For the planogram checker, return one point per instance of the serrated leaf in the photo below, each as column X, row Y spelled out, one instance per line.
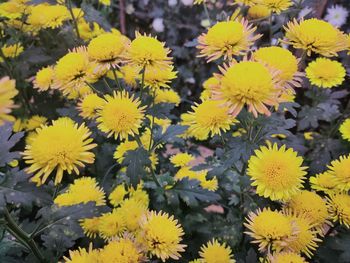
column 169, row 135
column 7, row 141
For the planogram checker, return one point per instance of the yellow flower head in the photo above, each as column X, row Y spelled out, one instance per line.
column 90, row 226
column 47, row 16
column 286, row 257
column 139, row 195
column 248, row 83
column 246, row 2
column 44, row 78
column 123, row 148
column 89, row 30
column 14, row 9
column 106, row 49
column 325, row 182
column 117, row 195
column 132, row 210
column 130, row 74
column 345, row 129
column 123, row 250
column 311, row 205
column 276, row 6
column 7, row 93
column 214, row 252
column 227, row 39
column 339, row 208
column 181, row 159
column 314, row 35
column 89, row 105
column 121, row 115
column 146, row 50
column 82, row 256
column 325, row 73
column 69, row 149
column 83, row 190
column 167, row 96
column 159, row 76
column 161, row 234
column 111, row 225
column 11, row 51
column 270, row 229
column 340, row 169
column 209, row 85
column 277, row 173
column 283, row 61
column 35, row 122
column 209, row 118
column 258, row 11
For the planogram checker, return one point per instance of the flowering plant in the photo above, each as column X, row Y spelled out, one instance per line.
column 219, row 135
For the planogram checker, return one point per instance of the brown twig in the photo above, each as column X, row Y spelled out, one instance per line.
column 320, row 7
column 122, row 16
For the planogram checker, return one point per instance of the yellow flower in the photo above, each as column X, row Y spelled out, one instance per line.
column 11, row 51
column 69, row 149
column 161, row 234
column 89, row 30
column 83, row 190
column 181, row 159
column 325, row 73
column 214, row 252
column 111, row 225
column 227, row 39
column 248, row 83
column 209, row 85
column 35, row 122
column 283, row 61
column 146, row 50
column 123, row 148
column 19, row 125
column 47, row 16
column 167, row 96
column 121, row 115
column 211, row 184
column 276, row 6
column 139, row 195
column 309, row 136
column 311, row 205
column 132, row 210
column 209, row 118
column 345, row 129
column 14, row 9
column 90, row 226
column 7, row 93
column 130, row 74
column 89, row 105
column 44, row 78
column 246, row 2
column 277, row 173
column 324, row 182
column 286, row 257
column 314, row 35
column 117, row 195
column 123, row 250
column 340, row 169
column 258, row 11
column 339, row 208
column 157, row 77
column 106, row 49
column 271, row 230
column 82, row 256
column 105, row 2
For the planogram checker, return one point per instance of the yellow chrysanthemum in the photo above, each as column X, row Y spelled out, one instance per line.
column 82, row 256
column 167, row 96
column 314, row 35
column 209, row 118
column 283, row 61
column 132, row 210
column 47, row 16
column 90, row 226
column 306, row 237
column 146, row 50
column 181, row 159
column 11, row 51
column 83, row 190
column 44, row 78
column 157, row 77
column 89, row 105
column 14, row 9
column 345, row 130
column 117, row 195
column 209, row 85
column 69, row 149
column 277, row 173
column 139, row 195
column 111, row 225
column 87, row 30
column 276, row 6
column 325, row 73
column 123, row 250
column 130, row 74
column 121, row 115
column 106, row 49
column 246, row 2
column 161, row 234
column 258, row 11
column 19, row 125
column 123, row 148
column 227, row 39
column 35, row 122
column 311, row 205
column 201, row 176
column 7, row 93
column 340, row 169
column 209, row 184
column 324, row 182
column 286, row 257
column 214, row 252
column 271, row 230
column 339, row 208
column 248, row 83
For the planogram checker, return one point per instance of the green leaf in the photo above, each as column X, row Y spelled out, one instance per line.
column 7, row 142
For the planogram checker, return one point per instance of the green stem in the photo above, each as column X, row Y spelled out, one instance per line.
column 152, row 121
column 6, row 63
column 22, row 236
column 207, row 12
column 93, row 88
column 270, row 28
column 116, row 79
column 154, row 177
column 107, row 85
column 75, row 23
column 142, row 81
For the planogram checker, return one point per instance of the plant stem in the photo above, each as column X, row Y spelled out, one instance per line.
column 75, row 23
column 206, row 12
column 93, row 88
column 152, row 121
column 154, row 177
column 116, row 79
column 107, row 85
column 270, row 28
column 142, row 81
column 22, row 236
